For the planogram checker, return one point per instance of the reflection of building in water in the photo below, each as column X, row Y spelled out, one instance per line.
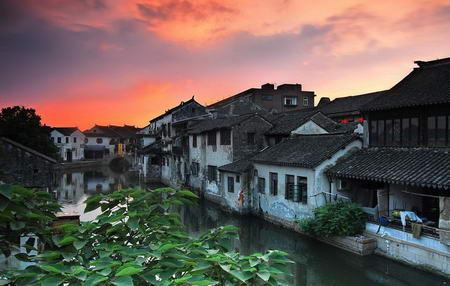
column 70, row 193
column 99, row 182
column 70, row 187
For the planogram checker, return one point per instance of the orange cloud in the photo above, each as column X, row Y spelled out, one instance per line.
column 97, row 103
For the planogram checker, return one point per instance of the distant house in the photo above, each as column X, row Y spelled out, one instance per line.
column 284, row 97
column 100, row 142
column 406, row 167
column 70, row 142
column 171, row 129
column 22, row 165
column 348, row 109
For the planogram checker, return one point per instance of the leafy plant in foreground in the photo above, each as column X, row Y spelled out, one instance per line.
column 338, row 219
column 24, row 211
column 138, row 240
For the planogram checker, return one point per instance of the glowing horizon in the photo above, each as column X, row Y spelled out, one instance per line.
column 80, row 63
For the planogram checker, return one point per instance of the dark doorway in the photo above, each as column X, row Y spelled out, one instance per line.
column 69, row 155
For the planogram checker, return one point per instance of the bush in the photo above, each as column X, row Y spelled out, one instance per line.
column 339, row 219
column 137, row 240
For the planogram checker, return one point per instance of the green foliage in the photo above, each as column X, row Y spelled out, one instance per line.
column 339, row 219
column 138, row 240
column 24, row 211
column 24, row 126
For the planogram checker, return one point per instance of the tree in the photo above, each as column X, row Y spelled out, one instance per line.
column 24, row 126
column 139, row 240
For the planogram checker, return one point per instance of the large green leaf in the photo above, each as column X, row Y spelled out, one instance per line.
column 128, row 271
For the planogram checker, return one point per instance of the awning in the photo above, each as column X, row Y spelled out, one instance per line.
column 419, row 167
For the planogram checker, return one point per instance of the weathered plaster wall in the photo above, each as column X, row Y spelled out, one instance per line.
column 278, row 206
column 232, row 199
column 322, row 183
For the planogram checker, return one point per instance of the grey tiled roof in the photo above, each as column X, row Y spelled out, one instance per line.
column 306, row 151
column 211, row 124
column 238, row 166
column 426, row 85
column 329, row 124
column 349, row 104
column 66, row 131
column 288, row 121
column 424, row 167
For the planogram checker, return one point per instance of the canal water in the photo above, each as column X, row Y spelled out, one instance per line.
column 316, row 263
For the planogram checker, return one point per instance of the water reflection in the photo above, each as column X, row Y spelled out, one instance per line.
column 315, row 263
column 75, row 186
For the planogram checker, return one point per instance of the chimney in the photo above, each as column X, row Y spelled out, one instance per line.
column 323, row 101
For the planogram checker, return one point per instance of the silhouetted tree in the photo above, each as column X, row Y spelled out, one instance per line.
column 23, row 125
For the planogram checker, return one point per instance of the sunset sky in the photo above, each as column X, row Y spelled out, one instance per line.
column 85, row 62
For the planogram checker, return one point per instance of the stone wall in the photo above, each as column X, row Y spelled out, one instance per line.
column 17, row 166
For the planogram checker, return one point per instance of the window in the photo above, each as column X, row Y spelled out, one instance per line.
column 194, row 140
column 67, row 140
column 381, row 132
column 289, row 187
column 273, row 183
column 396, row 132
column 238, row 179
column 86, row 140
column 53, row 139
column 389, row 132
column 305, row 101
column 99, row 140
column 414, row 135
column 302, row 190
column 374, row 132
column 440, row 130
column 195, row 168
column 261, row 185
column 225, row 137
column 290, row 101
column 212, row 138
column 230, row 184
column 59, row 139
column 405, row 132
column 251, row 138
column 431, row 131
column 212, row 173
column 169, row 130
